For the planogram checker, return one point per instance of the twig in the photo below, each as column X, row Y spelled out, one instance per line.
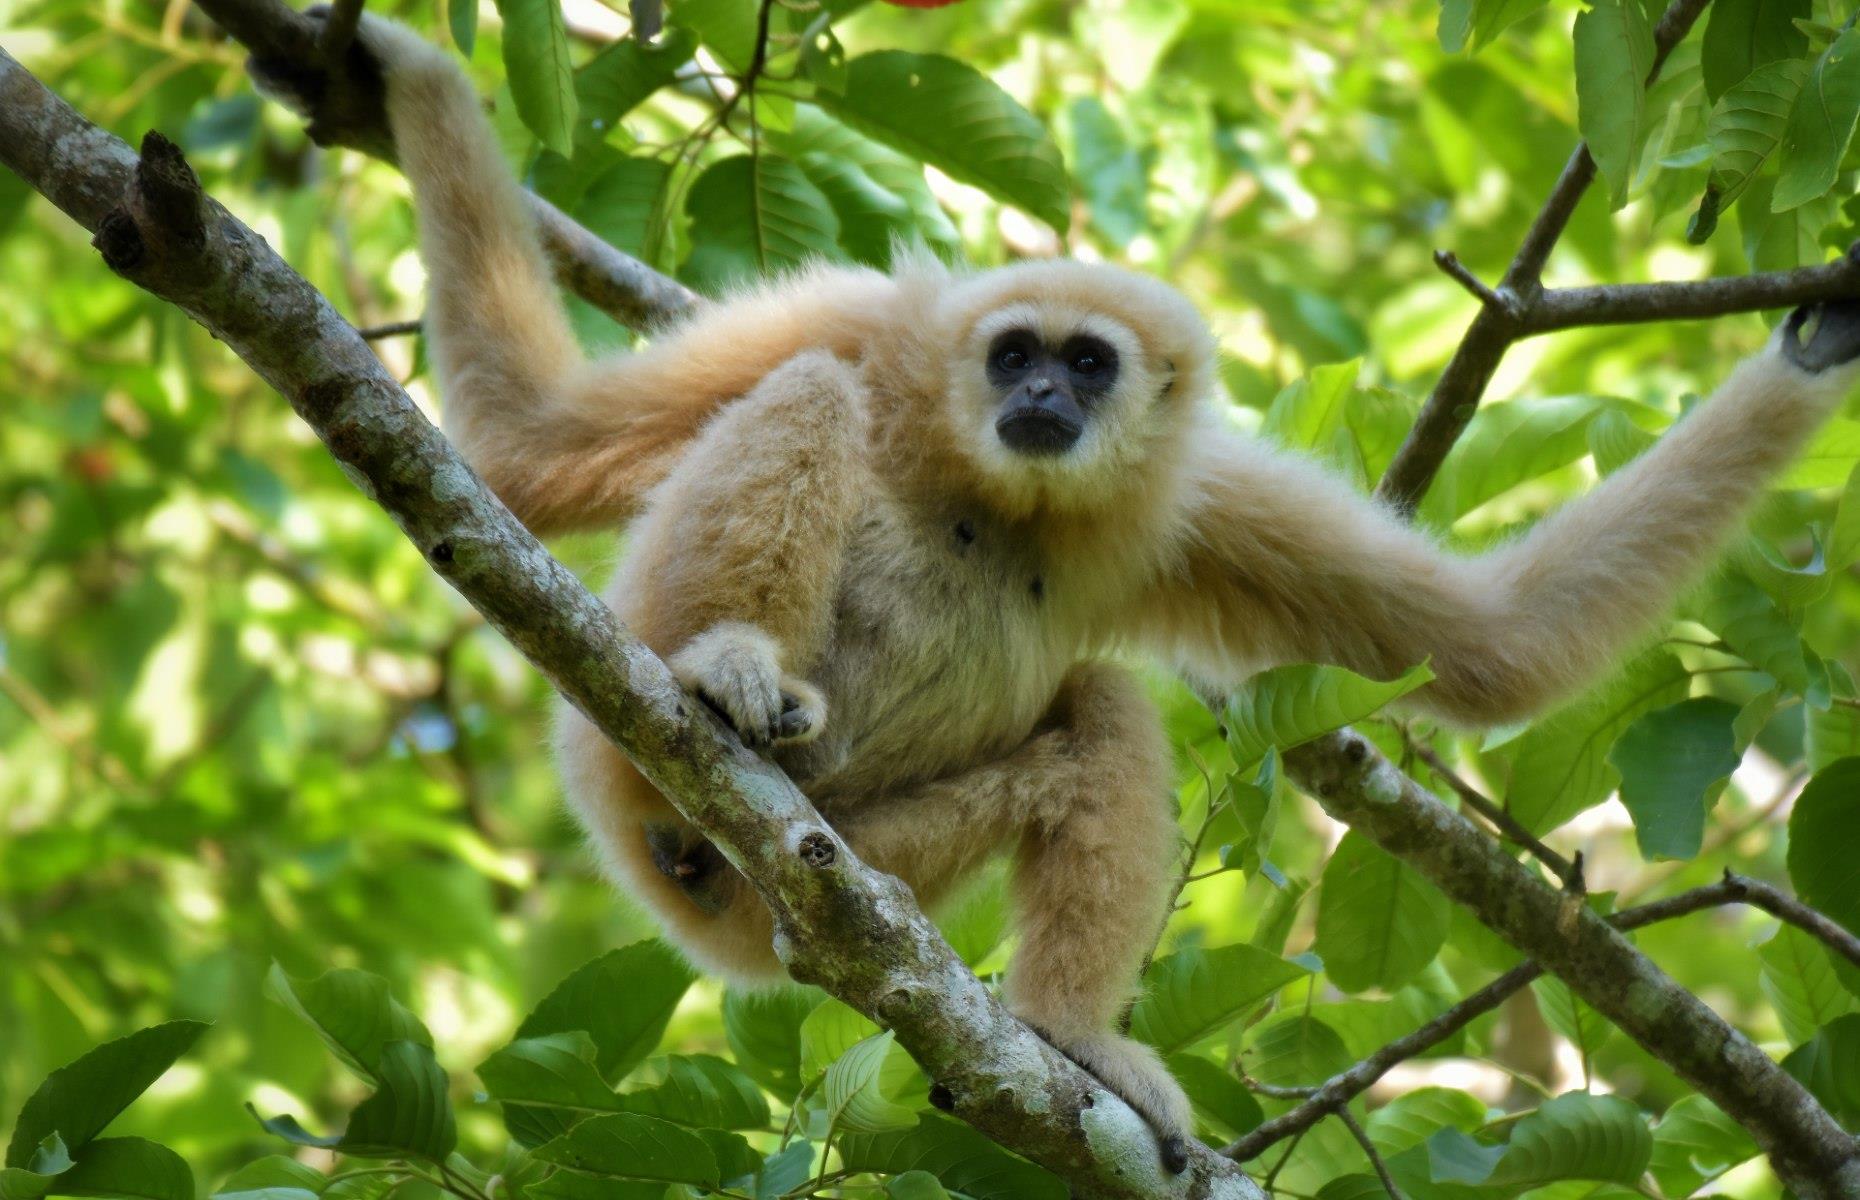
column 374, row 333
column 1375, row 1156
column 1461, row 274
column 1495, row 327
column 1569, row 872
column 1741, row 889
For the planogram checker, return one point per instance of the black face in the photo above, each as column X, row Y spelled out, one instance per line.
column 1047, row 392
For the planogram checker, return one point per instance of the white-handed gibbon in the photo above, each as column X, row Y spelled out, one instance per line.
column 887, row 524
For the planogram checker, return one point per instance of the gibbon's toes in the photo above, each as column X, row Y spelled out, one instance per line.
column 803, row 712
column 1136, row 1074
column 734, row 669
column 1819, row 336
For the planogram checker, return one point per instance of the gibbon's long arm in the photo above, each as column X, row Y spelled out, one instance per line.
column 564, row 442
column 1286, row 564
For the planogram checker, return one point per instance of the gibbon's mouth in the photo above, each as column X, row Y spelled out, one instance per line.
column 1029, row 429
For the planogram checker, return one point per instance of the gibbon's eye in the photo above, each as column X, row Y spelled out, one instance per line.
column 1090, row 358
column 1087, row 363
column 1011, row 358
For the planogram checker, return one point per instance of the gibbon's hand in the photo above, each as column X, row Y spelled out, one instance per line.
column 343, row 100
column 1833, row 335
column 736, row 670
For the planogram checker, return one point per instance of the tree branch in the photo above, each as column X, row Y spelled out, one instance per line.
column 1456, row 395
column 617, row 284
column 1355, row 784
column 842, row 925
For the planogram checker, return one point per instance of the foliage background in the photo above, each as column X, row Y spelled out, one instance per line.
column 243, row 723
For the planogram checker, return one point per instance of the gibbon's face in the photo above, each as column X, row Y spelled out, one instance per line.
column 1071, row 379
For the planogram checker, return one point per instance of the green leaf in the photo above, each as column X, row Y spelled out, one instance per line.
column 702, row 1091
column 410, row 1112
column 756, row 216
column 128, row 1168
column 1801, row 983
column 1218, row 1096
column 1577, row 1135
column 1833, row 734
column 1673, row 762
column 1379, row 922
column 1693, row 1144
column 546, row 1084
column 1828, row 1065
column 946, row 113
column 1308, row 412
column 39, row 1173
column 1292, row 1049
column 1614, row 440
column 542, row 77
column 1824, row 828
column 1820, row 125
column 79, row 1099
column 1194, row 993
column 273, row 1171
column 915, row 1185
column 1741, row 36
column 632, row 1146
column 725, row 26
column 785, row 1170
column 854, row 1101
column 651, row 978
column 763, row 1028
column 462, row 19
column 1288, row 706
column 1781, row 241
column 1614, row 55
column 1112, row 172
column 1829, row 459
column 1561, row 764
column 962, row 1159
column 879, row 195
column 625, row 205
column 1482, row 20
column 1413, row 1117
column 1509, row 444
column 1571, row 1016
column 1748, row 124
column 352, row 1011
column 830, row 1030
column 618, row 79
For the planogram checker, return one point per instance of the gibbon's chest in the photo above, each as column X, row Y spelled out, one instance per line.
column 948, row 643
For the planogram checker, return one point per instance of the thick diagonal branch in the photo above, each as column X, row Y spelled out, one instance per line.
column 621, row 286
column 1810, row 1152
column 852, row 930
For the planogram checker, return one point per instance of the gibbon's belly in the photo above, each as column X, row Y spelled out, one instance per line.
column 944, row 653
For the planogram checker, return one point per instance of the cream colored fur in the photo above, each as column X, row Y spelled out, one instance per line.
column 821, row 507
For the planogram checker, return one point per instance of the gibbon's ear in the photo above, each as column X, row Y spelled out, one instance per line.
column 1169, row 380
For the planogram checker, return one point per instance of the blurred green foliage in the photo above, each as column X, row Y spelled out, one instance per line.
column 242, row 725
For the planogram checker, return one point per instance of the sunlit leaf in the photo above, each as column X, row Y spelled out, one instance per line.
column 1194, row 993
column 652, row 978
column 756, row 216
column 1614, row 53
column 1800, row 981
column 851, row 1092
column 1379, row 922
column 1288, row 706
column 541, row 75
column 1743, row 35
column 352, row 1011
column 78, row 1100
column 1820, row 125
column 1695, row 1143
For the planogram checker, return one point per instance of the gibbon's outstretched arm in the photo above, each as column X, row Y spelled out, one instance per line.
column 1285, row 564
column 566, row 443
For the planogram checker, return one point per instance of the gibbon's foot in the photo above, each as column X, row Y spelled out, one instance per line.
column 736, row 669
column 1135, row 1073
column 1832, row 335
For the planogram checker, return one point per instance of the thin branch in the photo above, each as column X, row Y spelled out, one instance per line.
column 1375, row 1156
column 1461, row 274
column 1569, row 872
column 1636, row 303
column 1741, row 889
column 1456, row 395
column 374, row 333
column 617, row 284
column 852, row 930
column 1812, row 1154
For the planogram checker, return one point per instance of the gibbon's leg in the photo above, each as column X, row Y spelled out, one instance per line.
column 567, row 444
column 1086, row 804
column 1284, row 562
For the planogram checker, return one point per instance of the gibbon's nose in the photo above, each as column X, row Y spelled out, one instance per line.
column 1041, row 417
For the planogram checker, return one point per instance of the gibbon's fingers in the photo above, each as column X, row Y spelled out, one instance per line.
column 1833, row 332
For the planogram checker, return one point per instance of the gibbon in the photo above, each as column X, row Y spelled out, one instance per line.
column 888, row 524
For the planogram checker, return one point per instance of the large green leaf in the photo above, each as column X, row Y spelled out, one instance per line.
column 1509, row 444
column 946, row 113
column 1561, row 764
column 830, row 1030
column 1748, row 123
column 1577, row 1135
column 1820, row 125
column 542, row 77
column 77, row 1100
column 962, row 1159
column 622, row 1000
column 37, row 1175
column 128, row 1168
column 699, row 1090
column 1194, row 993
column 273, row 1171
column 619, row 78
column 1741, row 36
column 1614, row 54
column 1571, row 1016
column 1308, row 412
column 753, row 216
column 1413, row 1117
column 1673, row 762
column 1379, row 922
column 763, row 1028
column 1781, row 241
column 1828, row 1065
column 352, row 1011
column 855, row 1102
column 546, row 1084
column 1294, row 1049
column 632, row 1146
column 410, row 1112
column 1480, row 21
column 880, row 196
column 1288, row 706
column 1217, row 1095
column 1695, row 1143
column 1824, row 828
column 1801, row 983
